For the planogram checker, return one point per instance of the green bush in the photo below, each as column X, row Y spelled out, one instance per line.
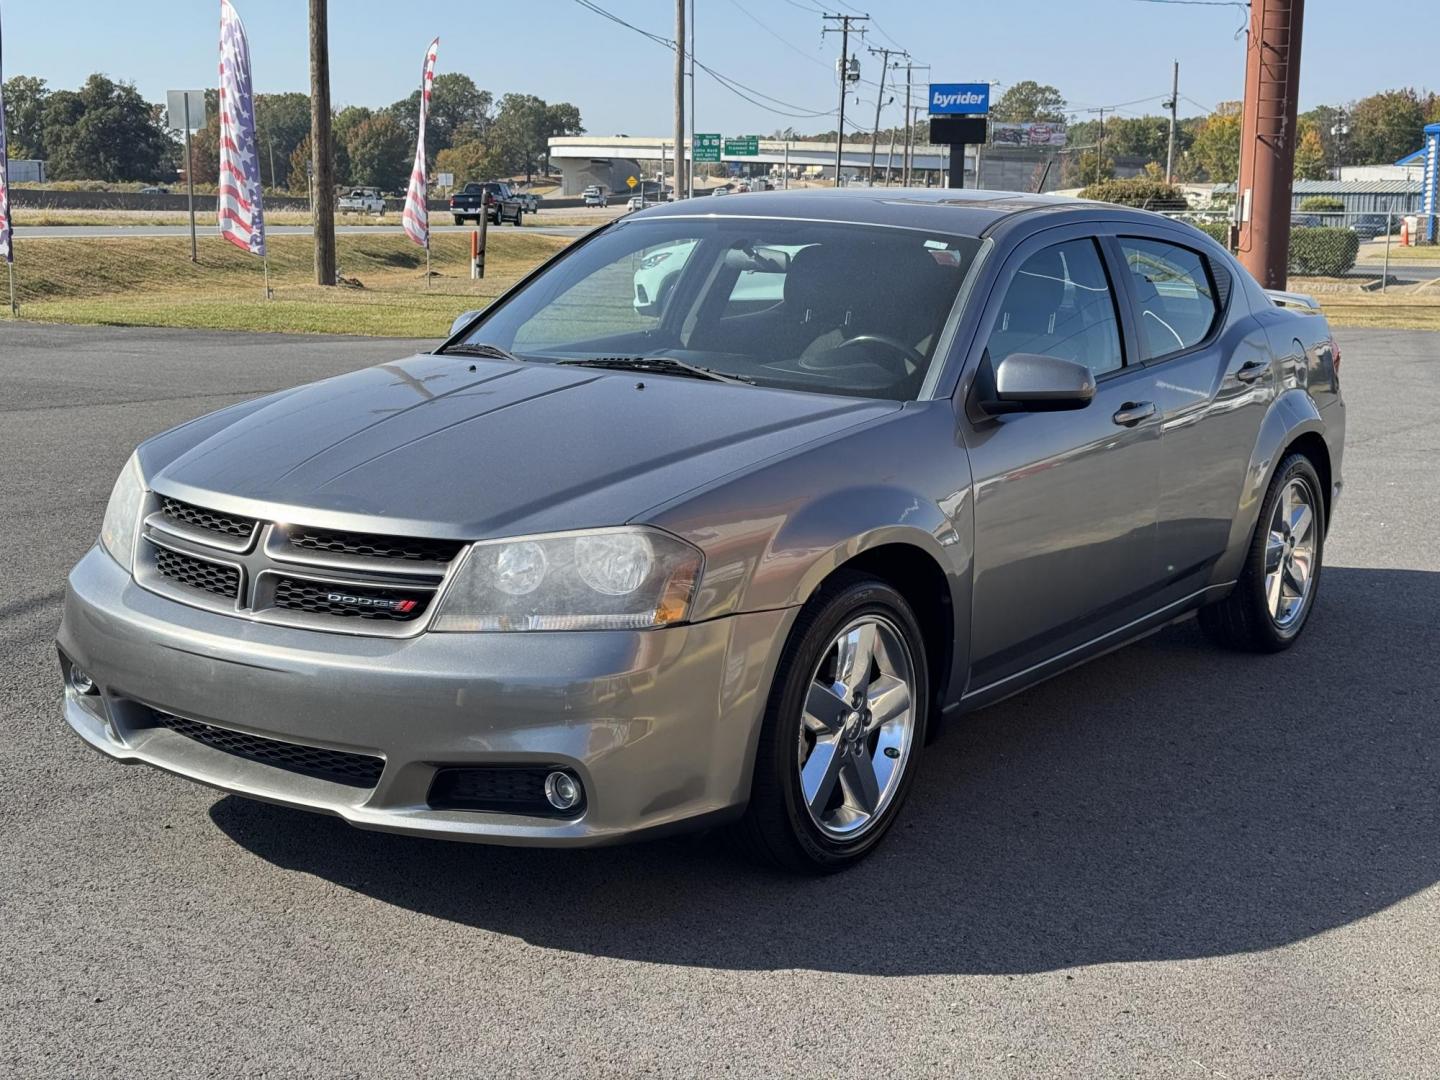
column 1138, row 191
column 1322, row 251
column 1219, row 231
column 1322, row 204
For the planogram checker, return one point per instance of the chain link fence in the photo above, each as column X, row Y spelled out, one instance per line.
column 1380, row 250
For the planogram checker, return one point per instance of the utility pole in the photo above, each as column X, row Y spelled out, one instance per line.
column 324, row 215
column 690, row 187
column 1267, row 138
column 1100, row 145
column 1173, row 105
column 905, row 157
column 843, row 69
column 680, row 182
column 884, row 55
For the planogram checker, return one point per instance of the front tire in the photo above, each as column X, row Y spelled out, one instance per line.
column 842, row 730
column 1279, row 583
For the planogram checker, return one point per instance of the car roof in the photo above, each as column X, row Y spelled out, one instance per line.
column 964, row 211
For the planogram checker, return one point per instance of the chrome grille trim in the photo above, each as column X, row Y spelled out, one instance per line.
column 269, row 558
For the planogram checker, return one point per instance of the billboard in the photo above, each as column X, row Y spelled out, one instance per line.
column 1035, row 134
column 959, row 99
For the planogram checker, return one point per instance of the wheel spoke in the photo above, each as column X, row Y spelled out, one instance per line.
column 1274, row 553
column 862, row 787
column 1297, row 574
column 817, row 778
column 888, row 699
column 1273, row 583
column 856, row 652
column 825, row 709
column 1300, row 523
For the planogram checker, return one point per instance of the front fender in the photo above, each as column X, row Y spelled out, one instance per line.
column 1291, row 415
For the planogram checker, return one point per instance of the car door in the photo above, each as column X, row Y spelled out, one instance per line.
column 1065, row 502
column 1212, row 386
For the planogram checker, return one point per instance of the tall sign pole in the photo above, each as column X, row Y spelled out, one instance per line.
column 680, row 175
column 7, row 232
column 1267, row 138
column 190, row 184
column 323, row 219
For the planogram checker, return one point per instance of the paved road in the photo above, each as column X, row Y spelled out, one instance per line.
column 81, row 232
column 1171, row 863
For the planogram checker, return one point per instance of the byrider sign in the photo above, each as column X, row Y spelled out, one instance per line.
column 959, row 99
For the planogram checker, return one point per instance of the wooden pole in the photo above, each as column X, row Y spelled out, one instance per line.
column 681, row 185
column 324, row 214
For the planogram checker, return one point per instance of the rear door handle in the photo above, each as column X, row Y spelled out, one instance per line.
column 1132, row 412
column 1252, row 370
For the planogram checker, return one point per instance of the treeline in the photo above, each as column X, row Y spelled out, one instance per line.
column 1377, row 129
column 107, row 131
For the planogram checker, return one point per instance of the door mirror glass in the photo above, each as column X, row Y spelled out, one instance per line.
column 1032, row 382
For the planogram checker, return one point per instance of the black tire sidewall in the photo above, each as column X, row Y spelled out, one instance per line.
column 777, row 753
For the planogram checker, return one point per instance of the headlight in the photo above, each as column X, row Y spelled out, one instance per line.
column 599, row 579
column 122, row 515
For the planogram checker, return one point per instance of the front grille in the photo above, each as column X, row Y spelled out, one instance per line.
column 210, row 520
column 367, row 545
column 198, row 573
column 350, row 601
column 498, row 789
column 337, row 766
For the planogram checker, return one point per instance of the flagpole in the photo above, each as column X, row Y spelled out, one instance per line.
column 14, row 307
column 265, row 261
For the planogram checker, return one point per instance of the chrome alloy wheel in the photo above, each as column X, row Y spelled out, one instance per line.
column 857, row 727
column 1290, row 554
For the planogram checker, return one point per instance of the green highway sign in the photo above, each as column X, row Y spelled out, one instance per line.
column 744, row 146
column 706, row 147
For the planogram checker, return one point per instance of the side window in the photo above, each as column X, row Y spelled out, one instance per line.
column 1060, row 304
column 1176, row 302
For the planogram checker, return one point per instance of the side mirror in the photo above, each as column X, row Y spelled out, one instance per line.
column 461, row 321
column 1031, row 382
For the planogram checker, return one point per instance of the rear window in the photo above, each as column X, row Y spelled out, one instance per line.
column 1173, row 291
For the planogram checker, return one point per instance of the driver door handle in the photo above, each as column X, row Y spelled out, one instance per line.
column 1132, row 412
column 1251, row 371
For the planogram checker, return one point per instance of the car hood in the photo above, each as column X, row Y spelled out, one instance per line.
column 451, row 446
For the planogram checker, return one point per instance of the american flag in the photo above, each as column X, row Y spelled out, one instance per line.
column 7, row 247
column 417, row 216
column 242, row 217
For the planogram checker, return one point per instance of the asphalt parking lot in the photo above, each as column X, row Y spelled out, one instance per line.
column 1173, row 862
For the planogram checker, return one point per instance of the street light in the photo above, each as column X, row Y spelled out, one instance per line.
column 1338, row 131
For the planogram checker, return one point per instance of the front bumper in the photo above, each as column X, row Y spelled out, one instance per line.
column 659, row 725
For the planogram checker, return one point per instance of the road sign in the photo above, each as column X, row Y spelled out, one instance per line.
column 959, row 99
column 744, row 146
column 706, row 147
column 445, row 179
column 175, row 102
column 630, row 182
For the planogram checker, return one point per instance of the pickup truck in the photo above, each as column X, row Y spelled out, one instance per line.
column 493, row 199
column 362, row 201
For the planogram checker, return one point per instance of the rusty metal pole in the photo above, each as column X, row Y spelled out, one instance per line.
column 1267, row 138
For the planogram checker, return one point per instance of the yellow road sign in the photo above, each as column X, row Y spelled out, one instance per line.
column 632, row 182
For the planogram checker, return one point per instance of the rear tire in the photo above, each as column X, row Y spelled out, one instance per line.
column 840, row 738
column 458, row 219
column 1280, row 580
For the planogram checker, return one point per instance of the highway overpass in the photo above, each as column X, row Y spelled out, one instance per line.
column 609, row 160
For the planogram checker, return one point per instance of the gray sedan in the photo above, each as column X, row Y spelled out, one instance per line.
column 597, row 568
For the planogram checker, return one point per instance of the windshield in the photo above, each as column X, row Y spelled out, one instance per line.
column 854, row 310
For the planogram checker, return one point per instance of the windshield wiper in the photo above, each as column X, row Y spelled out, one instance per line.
column 660, row 365
column 481, row 348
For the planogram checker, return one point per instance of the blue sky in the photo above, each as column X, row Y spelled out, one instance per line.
column 1098, row 52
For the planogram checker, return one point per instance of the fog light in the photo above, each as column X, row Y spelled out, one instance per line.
column 562, row 790
column 80, row 682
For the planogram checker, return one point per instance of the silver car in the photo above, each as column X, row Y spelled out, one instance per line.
column 593, row 571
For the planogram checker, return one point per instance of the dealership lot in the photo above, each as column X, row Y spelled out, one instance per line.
column 1172, row 862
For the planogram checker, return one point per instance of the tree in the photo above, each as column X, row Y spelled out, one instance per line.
column 380, row 153
column 282, row 122
column 1324, row 119
column 1217, row 143
column 25, row 98
column 1145, row 137
column 1310, row 155
column 105, row 131
column 522, row 131
column 1386, row 126
column 1030, row 102
column 300, row 164
column 561, row 118
column 470, row 161
column 456, row 105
